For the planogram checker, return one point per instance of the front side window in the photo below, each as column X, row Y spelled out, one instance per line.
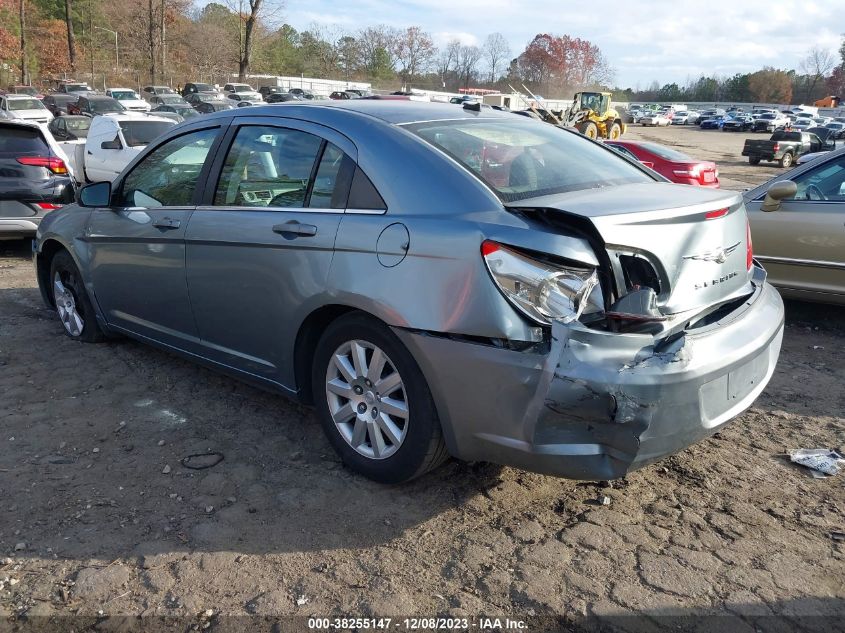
column 268, row 167
column 521, row 159
column 167, row 177
column 824, row 183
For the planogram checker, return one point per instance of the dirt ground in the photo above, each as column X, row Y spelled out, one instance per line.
column 99, row 515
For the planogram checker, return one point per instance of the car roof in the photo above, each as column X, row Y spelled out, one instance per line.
column 389, row 111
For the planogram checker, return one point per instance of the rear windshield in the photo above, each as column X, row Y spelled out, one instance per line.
column 519, row 158
column 786, row 136
column 78, row 124
column 24, row 104
column 139, row 133
column 666, row 152
column 15, row 141
column 105, row 105
column 122, row 95
column 204, row 87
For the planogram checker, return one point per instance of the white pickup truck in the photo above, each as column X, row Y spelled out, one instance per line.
column 113, row 141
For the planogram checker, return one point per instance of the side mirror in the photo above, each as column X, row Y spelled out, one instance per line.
column 97, row 194
column 113, row 144
column 778, row 191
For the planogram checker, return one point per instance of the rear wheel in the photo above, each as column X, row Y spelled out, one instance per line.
column 754, row 160
column 589, row 129
column 71, row 300
column 373, row 402
column 614, row 132
column 786, row 160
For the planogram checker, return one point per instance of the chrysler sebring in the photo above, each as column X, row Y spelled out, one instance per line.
column 436, row 280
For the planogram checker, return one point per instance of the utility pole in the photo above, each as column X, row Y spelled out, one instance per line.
column 24, row 67
column 116, row 51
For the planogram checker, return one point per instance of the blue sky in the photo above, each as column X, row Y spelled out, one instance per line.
column 644, row 40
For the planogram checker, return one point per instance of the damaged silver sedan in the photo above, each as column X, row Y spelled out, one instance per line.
column 435, row 280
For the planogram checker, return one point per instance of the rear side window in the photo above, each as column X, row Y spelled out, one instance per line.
column 16, row 141
column 280, row 167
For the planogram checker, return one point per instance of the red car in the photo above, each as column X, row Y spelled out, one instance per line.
column 670, row 163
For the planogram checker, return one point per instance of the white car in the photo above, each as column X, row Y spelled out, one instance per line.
column 129, row 99
column 802, row 123
column 113, row 141
column 245, row 97
column 238, row 88
column 657, row 119
column 685, row 117
column 25, row 108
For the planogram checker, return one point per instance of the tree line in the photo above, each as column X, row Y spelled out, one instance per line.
column 820, row 74
column 173, row 41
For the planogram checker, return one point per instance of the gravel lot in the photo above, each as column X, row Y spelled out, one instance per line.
column 99, row 513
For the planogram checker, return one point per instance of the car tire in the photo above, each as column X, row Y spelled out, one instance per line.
column 786, row 160
column 387, row 447
column 753, row 160
column 71, row 300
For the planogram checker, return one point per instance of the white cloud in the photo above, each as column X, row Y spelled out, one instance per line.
column 444, row 37
column 663, row 40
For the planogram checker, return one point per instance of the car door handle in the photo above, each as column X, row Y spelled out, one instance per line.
column 167, row 223
column 294, row 227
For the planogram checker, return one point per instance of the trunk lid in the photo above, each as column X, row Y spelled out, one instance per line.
column 694, row 239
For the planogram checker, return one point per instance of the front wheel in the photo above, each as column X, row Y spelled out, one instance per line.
column 590, row 129
column 373, row 402
column 71, row 300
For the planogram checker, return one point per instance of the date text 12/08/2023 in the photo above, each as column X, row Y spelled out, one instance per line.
column 418, row 624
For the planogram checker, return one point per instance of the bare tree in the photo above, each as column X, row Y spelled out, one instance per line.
column 71, row 40
column 151, row 40
column 415, row 50
column 447, row 65
column 24, row 67
column 816, row 66
column 468, row 58
column 496, row 51
column 377, row 48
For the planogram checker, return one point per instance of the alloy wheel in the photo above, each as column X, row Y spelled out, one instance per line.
column 66, row 307
column 367, row 399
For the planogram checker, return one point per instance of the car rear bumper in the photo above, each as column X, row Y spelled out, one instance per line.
column 18, row 227
column 598, row 405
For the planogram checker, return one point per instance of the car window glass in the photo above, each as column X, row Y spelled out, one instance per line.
column 267, row 166
column 326, row 179
column 168, row 175
column 825, row 182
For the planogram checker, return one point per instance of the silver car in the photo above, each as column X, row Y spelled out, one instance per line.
column 798, row 226
column 435, row 280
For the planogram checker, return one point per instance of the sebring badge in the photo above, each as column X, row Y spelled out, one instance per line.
column 720, row 255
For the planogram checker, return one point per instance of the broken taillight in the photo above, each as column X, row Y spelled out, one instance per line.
column 749, row 250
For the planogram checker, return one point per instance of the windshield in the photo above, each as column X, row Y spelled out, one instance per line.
column 204, row 87
column 78, row 125
column 767, row 116
column 76, row 88
column 520, row 159
column 210, row 98
column 241, row 88
column 666, row 152
column 105, row 105
column 24, row 104
column 139, row 133
column 174, row 98
column 123, row 95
